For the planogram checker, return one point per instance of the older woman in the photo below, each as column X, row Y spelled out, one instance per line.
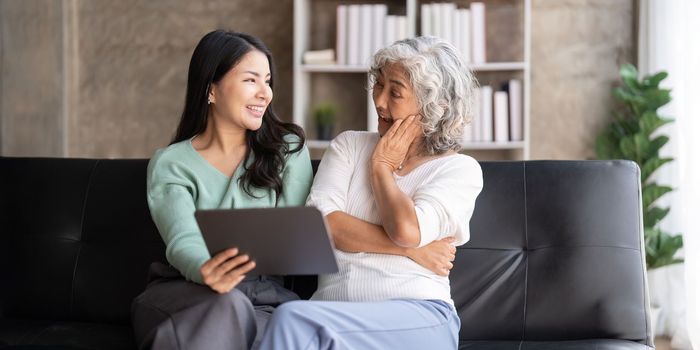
column 384, row 195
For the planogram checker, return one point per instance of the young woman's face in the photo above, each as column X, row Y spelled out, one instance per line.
column 393, row 96
column 240, row 98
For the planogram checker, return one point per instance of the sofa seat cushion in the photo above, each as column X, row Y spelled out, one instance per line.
column 26, row 334
column 588, row 344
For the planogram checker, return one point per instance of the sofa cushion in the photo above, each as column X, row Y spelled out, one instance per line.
column 25, row 334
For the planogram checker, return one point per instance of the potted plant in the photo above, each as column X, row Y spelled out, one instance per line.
column 324, row 115
column 632, row 136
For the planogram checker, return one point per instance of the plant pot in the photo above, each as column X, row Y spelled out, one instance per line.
column 658, row 293
column 656, row 319
column 667, row 292
column 324, row 132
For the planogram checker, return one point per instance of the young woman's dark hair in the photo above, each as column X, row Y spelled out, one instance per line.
column 214, row 56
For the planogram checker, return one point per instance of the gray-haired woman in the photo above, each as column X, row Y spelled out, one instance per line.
column 384, row 195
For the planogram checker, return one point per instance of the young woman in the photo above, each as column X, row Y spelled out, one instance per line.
column 230, row 151
column 383, row 193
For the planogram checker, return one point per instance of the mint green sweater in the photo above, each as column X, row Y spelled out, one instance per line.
column 180, row 181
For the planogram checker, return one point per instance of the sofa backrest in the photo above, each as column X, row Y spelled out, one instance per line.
column 555, row 251
column 77, row 238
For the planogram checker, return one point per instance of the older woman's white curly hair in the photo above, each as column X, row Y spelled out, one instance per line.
column 442, row 82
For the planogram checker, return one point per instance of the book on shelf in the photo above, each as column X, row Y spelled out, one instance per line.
column 341, row 32
column 354, row 22
column 401, row 28
column 363, row 29
column 478, row 22
column 390, row 30
column 366, row 34
column 326, row 56
column 500, row 116
column 486, row 115
column 465, row 28
column 465, row 36
column 515, row 109
column 476, row 117
column 446, row 10
column 379, row 13
column 436, row 26
column 425, row 20
column 457, row 32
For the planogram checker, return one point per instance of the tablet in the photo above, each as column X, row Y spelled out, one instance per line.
column 282, row 241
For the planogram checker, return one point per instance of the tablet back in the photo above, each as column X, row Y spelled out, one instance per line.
column 282, row 241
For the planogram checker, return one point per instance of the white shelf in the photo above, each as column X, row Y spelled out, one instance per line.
column 483, row 67
column 494, row 145
column 333, row 68
column 498, row 66
column 318, row 144
column 322, row 144
column 304, row 73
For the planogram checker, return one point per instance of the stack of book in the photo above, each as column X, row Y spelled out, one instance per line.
column 499, row 116
column 464, row 28
column 364, row 29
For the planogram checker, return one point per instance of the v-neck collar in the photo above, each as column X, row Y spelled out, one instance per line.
column 236, row 173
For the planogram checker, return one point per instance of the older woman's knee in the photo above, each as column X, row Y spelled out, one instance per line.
column 291, row 311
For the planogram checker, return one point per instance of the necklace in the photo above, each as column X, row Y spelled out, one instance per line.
column 400, row 167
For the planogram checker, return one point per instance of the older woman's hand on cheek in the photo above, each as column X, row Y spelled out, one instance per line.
column 392, row 148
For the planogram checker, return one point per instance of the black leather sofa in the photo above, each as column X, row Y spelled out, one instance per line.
column 556, row 258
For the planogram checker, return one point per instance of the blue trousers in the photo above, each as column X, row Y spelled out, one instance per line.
column 392, row 324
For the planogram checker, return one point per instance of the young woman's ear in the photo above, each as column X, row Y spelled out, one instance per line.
column 210, row 95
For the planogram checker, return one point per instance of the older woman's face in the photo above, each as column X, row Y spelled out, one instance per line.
column 393, row 96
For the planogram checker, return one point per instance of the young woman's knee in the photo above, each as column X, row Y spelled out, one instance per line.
column 234, row 298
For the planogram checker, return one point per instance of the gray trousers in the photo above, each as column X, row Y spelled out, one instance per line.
column 173, row 313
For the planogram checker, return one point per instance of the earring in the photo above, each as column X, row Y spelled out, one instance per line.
column 209, row 100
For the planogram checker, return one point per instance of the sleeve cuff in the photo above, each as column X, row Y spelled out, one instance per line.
column 429, row 225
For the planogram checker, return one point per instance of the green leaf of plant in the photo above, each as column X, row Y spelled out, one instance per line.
column 635, row 120
column 651, row 243
column 655, row 146
column 630, row 126
column 629, row 75
column 653, row 99
column 652, row 192
column 606, row 145
column 650, row 121
column 676, row 261
column 654, row 80
column 635, row 102
column 654, row 215
column 651, row 165
column 628, row 148
column 666, row 248
column 635, row 147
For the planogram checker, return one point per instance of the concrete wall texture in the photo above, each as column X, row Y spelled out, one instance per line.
column 102, row 78
column 577, row 47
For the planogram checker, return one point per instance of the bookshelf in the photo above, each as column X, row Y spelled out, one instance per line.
column 507, row 52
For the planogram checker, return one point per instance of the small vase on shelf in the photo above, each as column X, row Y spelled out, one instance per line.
column 324, row 115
